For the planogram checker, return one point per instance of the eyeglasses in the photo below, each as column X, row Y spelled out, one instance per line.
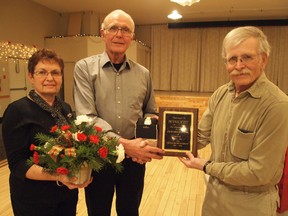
column 44, row 73
column 245, row 59
column 125, row 31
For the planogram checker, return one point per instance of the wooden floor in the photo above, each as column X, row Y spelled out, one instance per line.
column 170, row 190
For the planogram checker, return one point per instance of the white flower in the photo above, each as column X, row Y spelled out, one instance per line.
column 83, row 118
column 74, row 135
column 105, row 139
column 121, row 153
column 47, row 145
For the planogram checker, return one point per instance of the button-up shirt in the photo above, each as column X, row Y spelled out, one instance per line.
column 248, row 135
column 118, row 97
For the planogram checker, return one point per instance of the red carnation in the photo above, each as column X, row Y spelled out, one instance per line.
column 62, row 171
column 103, row 152
column 65, row 127
column 99, row 129
column 94, row 139
column 32, row 147
column 54, row 128
column 81, row 137
column 36, row 158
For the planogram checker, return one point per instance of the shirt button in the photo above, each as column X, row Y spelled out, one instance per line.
column 118, row 87
column 118, row 102
column 119, row 117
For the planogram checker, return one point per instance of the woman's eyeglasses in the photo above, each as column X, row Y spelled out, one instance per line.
column 44, row 73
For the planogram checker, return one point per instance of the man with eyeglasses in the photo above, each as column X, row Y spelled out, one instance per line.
column 246, row 123
column 117, row 91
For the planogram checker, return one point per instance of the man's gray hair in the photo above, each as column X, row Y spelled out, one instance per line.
column 117, row 13
column 240, row 34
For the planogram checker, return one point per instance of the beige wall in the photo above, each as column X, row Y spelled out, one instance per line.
column 26, row 22
column 23, row 21
column 143, row 34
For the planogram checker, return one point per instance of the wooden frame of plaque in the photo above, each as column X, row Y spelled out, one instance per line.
column 178, row 130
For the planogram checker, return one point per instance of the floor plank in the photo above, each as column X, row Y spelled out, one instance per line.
column 170, row 190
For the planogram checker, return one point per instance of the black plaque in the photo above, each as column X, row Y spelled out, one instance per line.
column 178, row 130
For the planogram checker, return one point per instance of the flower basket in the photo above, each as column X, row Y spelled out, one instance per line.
column 84, row 174
column 77, row 149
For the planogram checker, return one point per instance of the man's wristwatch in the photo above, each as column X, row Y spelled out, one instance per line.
column 205, row 165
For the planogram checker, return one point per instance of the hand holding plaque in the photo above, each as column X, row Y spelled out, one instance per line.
column 178, row 130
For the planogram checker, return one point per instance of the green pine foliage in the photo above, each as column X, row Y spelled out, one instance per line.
column 72, row 146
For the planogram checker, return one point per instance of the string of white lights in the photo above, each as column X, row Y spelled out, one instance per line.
column 15, row 50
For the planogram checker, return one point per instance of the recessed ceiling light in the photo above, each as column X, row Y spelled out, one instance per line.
column 174, row 15
column 185, row 2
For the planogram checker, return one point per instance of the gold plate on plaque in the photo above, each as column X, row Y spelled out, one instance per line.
column 178, row 130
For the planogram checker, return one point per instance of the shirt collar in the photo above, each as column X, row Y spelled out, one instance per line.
column 105, row 61
column 255, row 90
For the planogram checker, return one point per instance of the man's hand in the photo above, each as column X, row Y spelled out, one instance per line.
column 140, row 151
column 192, row 162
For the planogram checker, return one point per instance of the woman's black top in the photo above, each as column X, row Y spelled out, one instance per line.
column 22, row 120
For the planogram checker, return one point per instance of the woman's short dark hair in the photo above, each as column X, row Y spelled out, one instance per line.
column 44, row 55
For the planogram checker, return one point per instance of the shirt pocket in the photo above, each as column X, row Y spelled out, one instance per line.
column 241, row 144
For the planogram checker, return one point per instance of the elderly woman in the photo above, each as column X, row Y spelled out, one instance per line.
column 33, row 191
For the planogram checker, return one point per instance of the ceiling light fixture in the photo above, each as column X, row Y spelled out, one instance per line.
column 185, row 2
column 175, row 15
